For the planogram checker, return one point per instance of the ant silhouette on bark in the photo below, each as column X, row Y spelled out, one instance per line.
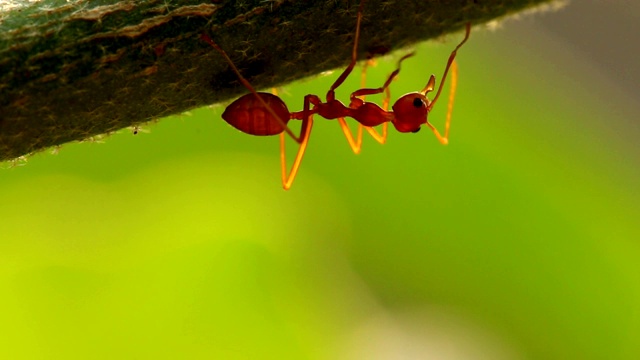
column 260, row 113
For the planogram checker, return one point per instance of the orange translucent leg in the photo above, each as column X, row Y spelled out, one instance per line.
column 356, row 144
column 444, row 140
column 305, row 131
column 453, row 66
column 381, row 138
column 361, row 94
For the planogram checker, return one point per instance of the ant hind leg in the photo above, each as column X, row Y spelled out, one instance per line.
column 444, row 140
column 305, row 131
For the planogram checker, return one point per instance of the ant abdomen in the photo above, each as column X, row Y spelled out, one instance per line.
column 249, row 115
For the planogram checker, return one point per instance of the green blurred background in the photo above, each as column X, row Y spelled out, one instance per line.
column 519, row 240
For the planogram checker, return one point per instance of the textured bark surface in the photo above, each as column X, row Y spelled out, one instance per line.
column 72, row 70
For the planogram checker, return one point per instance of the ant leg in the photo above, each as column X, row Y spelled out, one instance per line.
column 363, row 75
column 452, row 96
column 452, row 57
column 356, row 144
column 371, row 91
column 444, row 140
column 359, row 94
column 380, row 138
column 354, row 57
column 250, row 88
column 451, row 64
column 305, row 131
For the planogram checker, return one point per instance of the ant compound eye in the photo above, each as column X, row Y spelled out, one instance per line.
column 417, row 102
column 416, row 130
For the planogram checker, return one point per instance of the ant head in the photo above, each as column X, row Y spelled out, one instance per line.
column 410, row 112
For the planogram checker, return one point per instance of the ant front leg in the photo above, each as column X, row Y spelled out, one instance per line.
column 453, row 66
column 444, row 140
column 305, row 131
column 452, row 96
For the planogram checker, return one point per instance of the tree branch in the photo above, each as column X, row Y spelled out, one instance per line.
column 71, row 70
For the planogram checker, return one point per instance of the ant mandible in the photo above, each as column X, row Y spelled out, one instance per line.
column 262, row 114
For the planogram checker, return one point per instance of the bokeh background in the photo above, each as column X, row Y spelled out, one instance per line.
column 519, row 240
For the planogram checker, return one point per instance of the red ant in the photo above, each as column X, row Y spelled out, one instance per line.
column 261, row 114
